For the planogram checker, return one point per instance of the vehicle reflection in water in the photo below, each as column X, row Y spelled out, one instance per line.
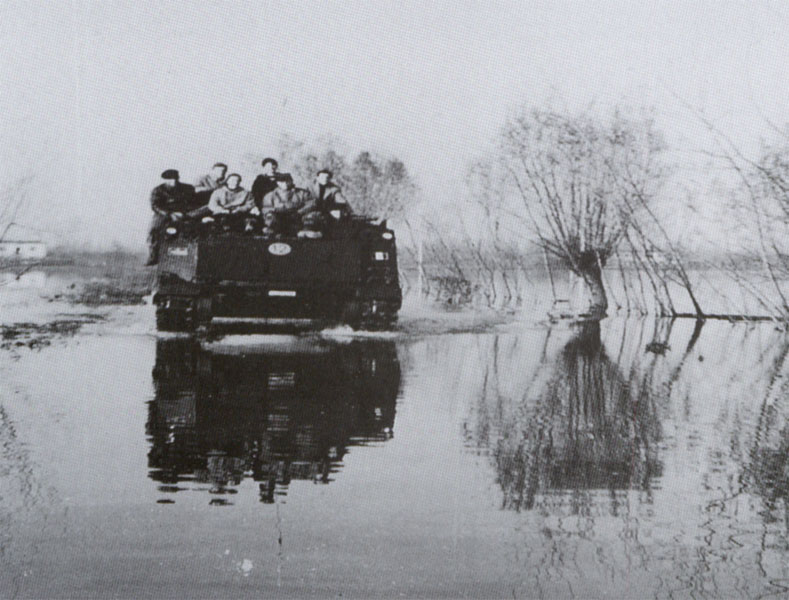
column 274, row 415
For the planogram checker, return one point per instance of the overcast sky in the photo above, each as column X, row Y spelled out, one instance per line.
column 98, row 97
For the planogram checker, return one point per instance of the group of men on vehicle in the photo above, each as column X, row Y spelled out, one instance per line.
column 274, row 200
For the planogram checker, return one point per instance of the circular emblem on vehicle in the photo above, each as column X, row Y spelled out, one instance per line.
column 279, row 249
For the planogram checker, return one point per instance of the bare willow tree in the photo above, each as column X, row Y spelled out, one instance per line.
column 766, row 185
column 760, row 209
column 581, row 183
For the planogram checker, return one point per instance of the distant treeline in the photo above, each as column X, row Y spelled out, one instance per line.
column 117, row 257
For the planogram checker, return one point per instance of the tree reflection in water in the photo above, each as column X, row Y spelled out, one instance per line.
column 643, row 462
column 587, row 426
column 767, row 470
column 274, row 415
column 770, row 473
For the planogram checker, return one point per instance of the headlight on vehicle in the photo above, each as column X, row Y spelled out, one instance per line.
column 171, row 231
column 387, row 235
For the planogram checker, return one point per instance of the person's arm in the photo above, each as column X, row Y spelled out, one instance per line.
column 306, row 202
column 248, row 206
column 271, row 204
column 216, row 203
column 204, row 184
column 157, row 202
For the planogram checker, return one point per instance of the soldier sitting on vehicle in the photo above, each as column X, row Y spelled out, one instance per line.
column 231, row 198
column 330, row 205
column 209, row 182
column 266, row 181
column 233, row 204
column 284, row 207
column 170, row 201
column 328, row 196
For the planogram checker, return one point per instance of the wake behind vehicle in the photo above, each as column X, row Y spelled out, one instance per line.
column 220, row 270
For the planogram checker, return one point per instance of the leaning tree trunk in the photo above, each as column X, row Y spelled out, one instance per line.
column 589, row 269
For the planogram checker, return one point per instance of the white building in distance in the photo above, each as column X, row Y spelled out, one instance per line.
column 19, row 243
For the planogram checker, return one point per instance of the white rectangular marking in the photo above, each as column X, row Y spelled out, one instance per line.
column 285, row 293
column 281, row 380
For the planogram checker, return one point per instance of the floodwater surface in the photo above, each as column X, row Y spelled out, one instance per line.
column 627, row 459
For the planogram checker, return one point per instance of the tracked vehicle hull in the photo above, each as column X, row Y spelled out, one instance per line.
column 348, row 277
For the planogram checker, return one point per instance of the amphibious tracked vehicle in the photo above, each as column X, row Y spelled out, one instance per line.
column 349, row 275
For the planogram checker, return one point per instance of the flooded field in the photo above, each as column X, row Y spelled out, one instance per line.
column 458, row 456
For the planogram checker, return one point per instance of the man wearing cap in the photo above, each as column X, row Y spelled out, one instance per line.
column 170, row 201
column 266, row 181
column 285, row 205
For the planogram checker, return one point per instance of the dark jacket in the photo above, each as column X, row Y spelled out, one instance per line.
column 329, row 198
column 179, row 198
column 262, row 185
